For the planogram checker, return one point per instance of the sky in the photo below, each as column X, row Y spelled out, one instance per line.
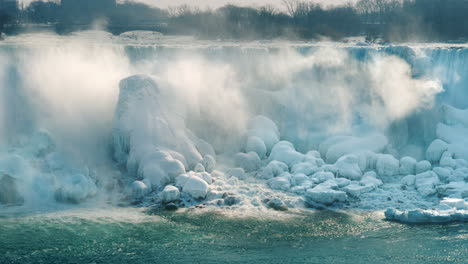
column 218, row 3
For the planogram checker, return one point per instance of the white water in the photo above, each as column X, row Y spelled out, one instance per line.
column 69, row 87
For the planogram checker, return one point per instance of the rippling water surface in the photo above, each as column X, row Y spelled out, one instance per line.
column 132, row 236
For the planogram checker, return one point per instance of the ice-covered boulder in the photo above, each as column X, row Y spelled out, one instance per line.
column 409, row 180
column 196, row 187
column 323, row 194
column 370, row 178
column 335, row 147
column 170, row 193
column 299, row 179
column 238, row 173
column 423, row 166
column 407, row 165
column 322, row 176
column 264, row 129
column 256, row 144
column 248, row 161
column 139, row 189
column 209, row 162
column 284, row 151
column 348, row 167
column 306, row 168
column 459, row 175
column 356, row 189
column 387, row 165
column 199, row 168
column 280, row 183
column 453, row 189
column 147, row 126
column 159, row 168
column 443, row 173
column 426, row 182
column 273, row 169
column 435, row 150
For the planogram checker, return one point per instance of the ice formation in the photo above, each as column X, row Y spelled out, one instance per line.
column 326, row 125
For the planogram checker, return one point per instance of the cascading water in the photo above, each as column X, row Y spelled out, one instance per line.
column 207, row 117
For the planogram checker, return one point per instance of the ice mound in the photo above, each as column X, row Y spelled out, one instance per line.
column 151, row 140
column 449, row 210
column 33, row 171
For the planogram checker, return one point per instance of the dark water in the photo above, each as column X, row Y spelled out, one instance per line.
column 129, row 236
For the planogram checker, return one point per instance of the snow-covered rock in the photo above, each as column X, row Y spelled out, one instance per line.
column 264, row 129
column 139, row 189
column 423, row 166
column 280, row 183
column 426, row 182
column 284, row 151
column 323, row 194
column 435, row 150
column 248, row 161
column 407, row 165
column 322, row 176
column 256, row 144
column 209, row 162
column 348, row 167
column 170, row 193
column 387, row 165
column 335, row 147
column 409, row 180
column 273, row 169
column 196, row 187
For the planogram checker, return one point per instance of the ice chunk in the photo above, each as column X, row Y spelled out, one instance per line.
column 239, row 173
column 453, row 189
column 435, row 150
column 199, row 168
column 256, row 144
column 459, row 204
column 387, row 165
column 139, row 189
column 280, row 183
column 348, row 167
column 273, row 169
column 170, row 194
column 334, row 148
column 355, row 190
column 409, row 180
column 322, row 176
column 248, row 161
column 370, row 178
column 299, row 179
column 443, row 173
column 160, row 169
column 284, row 151
column 209, row 162
column 205, row 176
column 304, row 167
column 407, row 165
column 196, row 187
column 423, row 166
column 459, row 175
column 325, row 195
column 425, row 183
column 265, row 129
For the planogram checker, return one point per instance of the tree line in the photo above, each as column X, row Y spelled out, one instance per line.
column 385, row 20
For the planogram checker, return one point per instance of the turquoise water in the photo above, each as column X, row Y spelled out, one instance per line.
column 132, row 236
